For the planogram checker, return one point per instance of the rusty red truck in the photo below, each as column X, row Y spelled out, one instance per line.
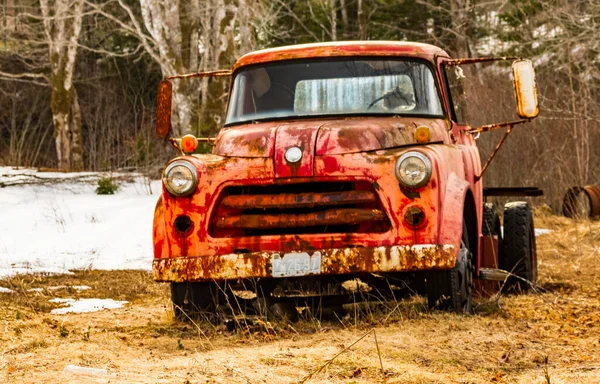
column 338, row 162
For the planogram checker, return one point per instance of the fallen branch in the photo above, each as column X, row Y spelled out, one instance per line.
column 32, row 179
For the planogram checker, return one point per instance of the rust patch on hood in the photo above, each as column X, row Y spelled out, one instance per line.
column 335, row 137
column 257, row 140
column 354, row 135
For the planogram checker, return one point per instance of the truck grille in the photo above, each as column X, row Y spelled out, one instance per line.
column 306, row 208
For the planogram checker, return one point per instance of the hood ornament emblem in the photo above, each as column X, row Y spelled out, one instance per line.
column 293, row 155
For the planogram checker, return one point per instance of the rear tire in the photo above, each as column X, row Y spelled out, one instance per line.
column 491, row 221
column 452, row 289
column 195, row 300
column 519, row 253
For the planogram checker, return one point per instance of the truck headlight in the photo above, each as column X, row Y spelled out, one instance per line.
column 180, row 178
column 413, row 169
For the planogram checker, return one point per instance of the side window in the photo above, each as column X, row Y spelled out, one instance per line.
column 454, row 77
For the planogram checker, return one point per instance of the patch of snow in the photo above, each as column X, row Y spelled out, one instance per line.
column 17, row 269
column 57, row 287
column 81, row 287
column 6, row 290
column 65, row 226
column 542, row 231
column 59, row 300
column 85, row 305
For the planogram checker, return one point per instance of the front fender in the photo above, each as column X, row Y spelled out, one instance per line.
column 451, row 224
column 159, row 230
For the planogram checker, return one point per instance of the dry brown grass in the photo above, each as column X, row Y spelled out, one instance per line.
column 548, row 337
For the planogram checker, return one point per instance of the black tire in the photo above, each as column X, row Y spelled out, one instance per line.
column 519, row 254
column 195, row 300
column 491, row 221
column 277, row 309
column 452, row 289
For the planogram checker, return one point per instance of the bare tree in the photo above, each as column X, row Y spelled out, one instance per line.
column 62, row 25
column 186, row 36
column 48, row 58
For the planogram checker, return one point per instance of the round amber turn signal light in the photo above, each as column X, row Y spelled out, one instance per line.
column 423, row 135
column 189, row 143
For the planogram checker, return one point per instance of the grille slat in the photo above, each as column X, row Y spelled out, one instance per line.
column 346, row 216
column 301, row 208
column 299, row 200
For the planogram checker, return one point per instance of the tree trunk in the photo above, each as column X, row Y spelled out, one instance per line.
column 192, row 36
column 75, row 130
column 62, row 138
column 62, row 25
column 185, row 98
column 362, row 21
column 66, row 117
column 344, row 18
column 9, row 15
column 333, row 6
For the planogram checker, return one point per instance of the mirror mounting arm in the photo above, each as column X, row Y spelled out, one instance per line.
column 486, row 128
column 218, row 73
column 491, row 127
column 175, row 142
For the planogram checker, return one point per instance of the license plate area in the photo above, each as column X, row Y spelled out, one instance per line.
column 296, row 264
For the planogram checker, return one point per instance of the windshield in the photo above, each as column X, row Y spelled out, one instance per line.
column 333, row 87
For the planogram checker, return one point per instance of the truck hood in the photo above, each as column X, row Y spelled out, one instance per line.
column 333, row 137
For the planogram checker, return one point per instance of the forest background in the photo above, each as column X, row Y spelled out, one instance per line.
column 78, row 78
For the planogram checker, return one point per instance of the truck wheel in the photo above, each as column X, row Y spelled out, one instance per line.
column 277, row 309
column 193, row 300
column 491, row 221
column 451, row 289
column 518, row 254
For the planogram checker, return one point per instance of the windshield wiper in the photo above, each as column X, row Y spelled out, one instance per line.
column 394, row 99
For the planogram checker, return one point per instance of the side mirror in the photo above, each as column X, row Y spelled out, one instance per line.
column 163, row 108
column 525, row 91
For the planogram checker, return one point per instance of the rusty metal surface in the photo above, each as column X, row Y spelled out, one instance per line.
column 219, row 73
column 331, row 262
column 489, row 160
column 343, row 49
column 525, row 89
column 491, row 127
column 371, row 134
column 345, row 149
column 163, row 109
column 295, row 135
column 475, row 60
column 342, row 216
column 298, row 200
column 175, row 143
column 594, row 194
column 570, row 201
column 441, row 201
column 334, row 136
column 256, row 140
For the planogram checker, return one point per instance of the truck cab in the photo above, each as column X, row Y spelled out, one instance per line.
column 337, row 162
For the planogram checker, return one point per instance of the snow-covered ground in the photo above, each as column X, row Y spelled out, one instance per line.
column 59, row 226
column 85, row 305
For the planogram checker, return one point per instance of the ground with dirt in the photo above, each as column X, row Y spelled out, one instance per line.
column 549, row 336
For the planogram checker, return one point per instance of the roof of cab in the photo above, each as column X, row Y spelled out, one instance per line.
column 340, row 49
